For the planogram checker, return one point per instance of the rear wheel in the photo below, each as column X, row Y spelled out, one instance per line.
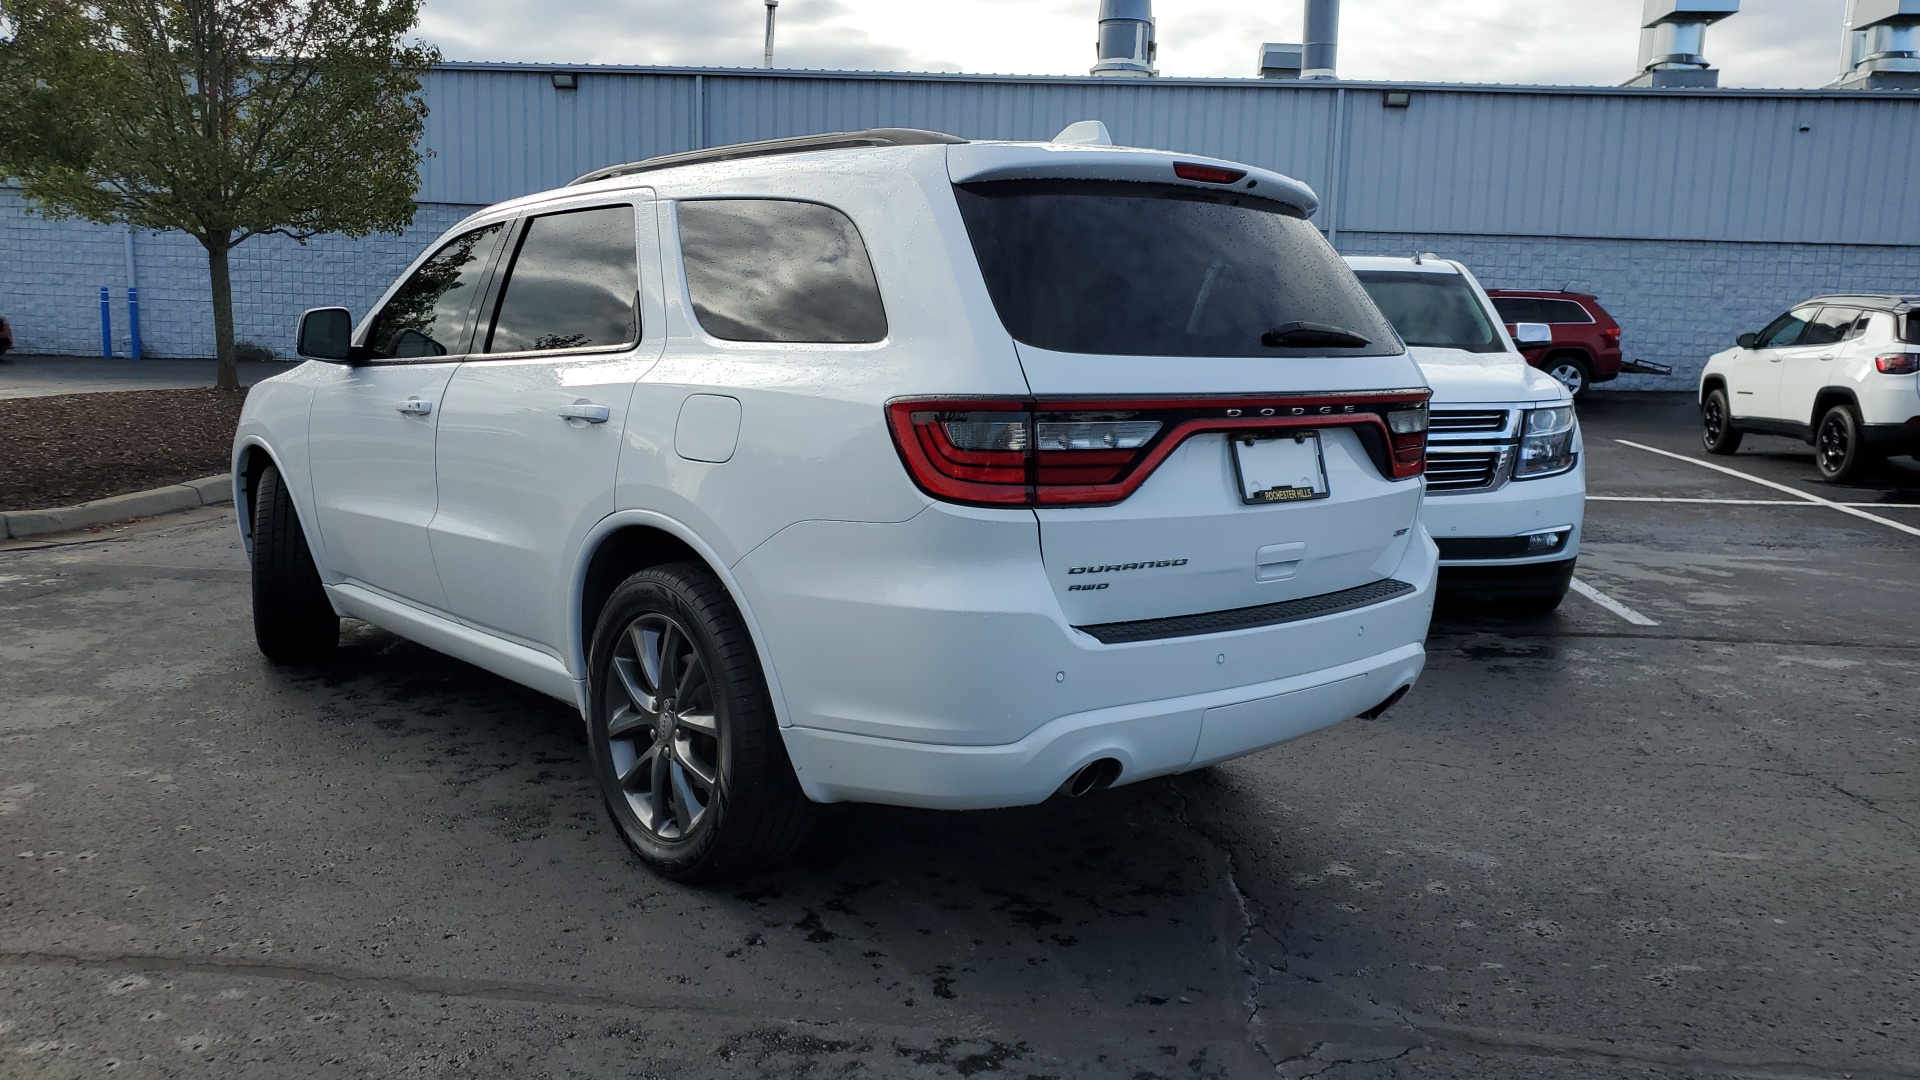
column 293, row 622
column 1716, row 424
column 682, row 731
column 1573, row 373
column 1838, row 451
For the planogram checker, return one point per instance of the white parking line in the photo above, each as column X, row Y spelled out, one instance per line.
column 1842, row 507
column 1611, row 604
column 1727, row 502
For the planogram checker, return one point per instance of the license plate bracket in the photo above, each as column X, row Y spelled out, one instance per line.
column 1278, row 468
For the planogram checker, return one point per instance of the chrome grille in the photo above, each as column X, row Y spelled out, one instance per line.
column 1462, row 421
column 1453, row 471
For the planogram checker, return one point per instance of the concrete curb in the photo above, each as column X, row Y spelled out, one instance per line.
column 206, row 491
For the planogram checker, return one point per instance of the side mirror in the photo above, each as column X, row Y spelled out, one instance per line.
column 1528, row 334
column 1747, row 341
column 326, row 333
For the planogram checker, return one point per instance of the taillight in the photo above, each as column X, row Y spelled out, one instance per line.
column 1897, row 363
column 1611, row 333
column 1207, row 174
column 1026, row 452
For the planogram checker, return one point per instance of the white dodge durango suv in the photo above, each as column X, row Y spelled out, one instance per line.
column 1839, row 372
column 1506, row 487
column 880, row 466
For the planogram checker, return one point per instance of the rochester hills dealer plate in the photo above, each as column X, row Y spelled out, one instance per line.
column 1279, row 468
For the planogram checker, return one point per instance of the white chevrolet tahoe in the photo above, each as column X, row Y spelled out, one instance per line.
column 881, row 466
column 1839, row 372
column 1506, row 487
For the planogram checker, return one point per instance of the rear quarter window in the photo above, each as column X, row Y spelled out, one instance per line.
column 1563, row 311
column 1135, row 269
column 779, row 270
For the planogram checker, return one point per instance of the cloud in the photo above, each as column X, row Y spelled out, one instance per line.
column 1773, row 43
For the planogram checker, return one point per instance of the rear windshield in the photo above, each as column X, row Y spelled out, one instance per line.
column 1158, row 270
column 1439, row 311
column 1910, row 327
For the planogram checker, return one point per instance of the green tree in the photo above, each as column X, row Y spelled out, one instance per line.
column 222, row 119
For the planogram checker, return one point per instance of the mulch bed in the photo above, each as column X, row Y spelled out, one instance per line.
column 58, row 451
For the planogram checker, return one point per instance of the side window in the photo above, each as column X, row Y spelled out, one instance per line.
column 1861, row 325
column 1564, row 311
column 1517, row 309
column 574, row 284
column 1785, row 330
column 777, row 270
column 431, row 314
column 1830, row 326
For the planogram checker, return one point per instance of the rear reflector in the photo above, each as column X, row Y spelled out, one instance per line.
column 1026, row 452
column 1207, row 174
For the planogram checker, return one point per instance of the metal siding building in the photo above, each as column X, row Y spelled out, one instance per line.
column 1694, row 213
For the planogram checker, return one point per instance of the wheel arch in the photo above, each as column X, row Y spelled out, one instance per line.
column 250, row 459
column 627, row 543
column 1710, row 383
column 1827, row 399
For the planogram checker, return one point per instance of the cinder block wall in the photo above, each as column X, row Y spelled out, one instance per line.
column 1677, row 302
column 51, row 272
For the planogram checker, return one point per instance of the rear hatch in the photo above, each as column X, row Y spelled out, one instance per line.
column 1220, row 417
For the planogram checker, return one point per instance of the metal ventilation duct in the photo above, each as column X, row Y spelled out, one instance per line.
column 1673, row 42
column 1322, row 49
column 1279, row 61
column 1882, row 46
column 1126, row 45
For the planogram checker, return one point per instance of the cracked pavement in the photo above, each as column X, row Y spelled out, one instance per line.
column 1580, row 849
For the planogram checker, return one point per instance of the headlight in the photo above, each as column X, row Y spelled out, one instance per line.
column 1546, row 443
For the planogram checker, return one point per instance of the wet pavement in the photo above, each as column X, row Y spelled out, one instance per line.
column 1582, row 848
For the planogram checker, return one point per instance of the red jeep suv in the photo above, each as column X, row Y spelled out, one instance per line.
column 1586, row 341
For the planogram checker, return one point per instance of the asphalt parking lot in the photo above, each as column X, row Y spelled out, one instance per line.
column 1671, row 837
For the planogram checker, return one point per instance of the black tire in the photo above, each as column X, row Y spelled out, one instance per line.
column 293, row 623
column 1573, row 372
column 677, row 703
column 1839, row 452
column 1717, row 432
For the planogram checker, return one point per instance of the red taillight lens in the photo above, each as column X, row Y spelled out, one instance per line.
column 1010, row 452
column 1611, row 333
column 1898, row 363
column 1207, row 174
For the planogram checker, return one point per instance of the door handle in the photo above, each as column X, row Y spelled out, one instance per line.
column 416, row 407
column 1774, row 359
column 1829, row 356
column 586, row 410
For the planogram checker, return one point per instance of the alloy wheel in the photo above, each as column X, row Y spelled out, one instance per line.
column 1714, row 420
column 1570, row 376
column 662, row 729
column 1834, row 444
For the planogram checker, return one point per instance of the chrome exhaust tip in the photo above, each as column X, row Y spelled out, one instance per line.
column 1092, row 777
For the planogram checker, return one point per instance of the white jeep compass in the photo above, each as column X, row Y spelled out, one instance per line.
column 881, row 466
column 1506, row 489
column 1839, row 372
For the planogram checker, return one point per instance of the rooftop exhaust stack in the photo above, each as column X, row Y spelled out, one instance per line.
column 1673, row 41
column 1126, row 45
column 1882, row 46
column 1280, row 61
column 1321, row 52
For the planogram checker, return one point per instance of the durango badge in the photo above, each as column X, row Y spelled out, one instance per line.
column 1115, row 568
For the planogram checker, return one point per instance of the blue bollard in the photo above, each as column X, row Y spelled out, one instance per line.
column 133, row 321
column 106, row 323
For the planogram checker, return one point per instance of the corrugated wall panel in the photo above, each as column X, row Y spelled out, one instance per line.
column 1486, row 162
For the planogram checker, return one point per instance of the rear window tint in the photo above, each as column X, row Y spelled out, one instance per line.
column 574, row 284
column 1438, row 311
column 1563, row 311
column 1830, row 327
column 1910, row 327
column 1158, row 270
column 1518, row 309
column 779, row 270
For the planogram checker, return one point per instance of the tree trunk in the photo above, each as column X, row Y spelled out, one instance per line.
column 226, row 372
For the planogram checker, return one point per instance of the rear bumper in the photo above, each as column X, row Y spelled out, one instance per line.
column 1148, row 739
column 928, row 663
column 1891, row 439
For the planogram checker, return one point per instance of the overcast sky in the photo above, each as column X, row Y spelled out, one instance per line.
column 1771, row 43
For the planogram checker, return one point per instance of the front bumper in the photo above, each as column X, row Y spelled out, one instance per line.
column 1518, row 508
column 927, row 663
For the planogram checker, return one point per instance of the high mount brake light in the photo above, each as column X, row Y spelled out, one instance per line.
column 1898, row 363
column 1207, row 174
column 1026, row 452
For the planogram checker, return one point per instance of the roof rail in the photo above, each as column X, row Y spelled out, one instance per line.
column 839, row 140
